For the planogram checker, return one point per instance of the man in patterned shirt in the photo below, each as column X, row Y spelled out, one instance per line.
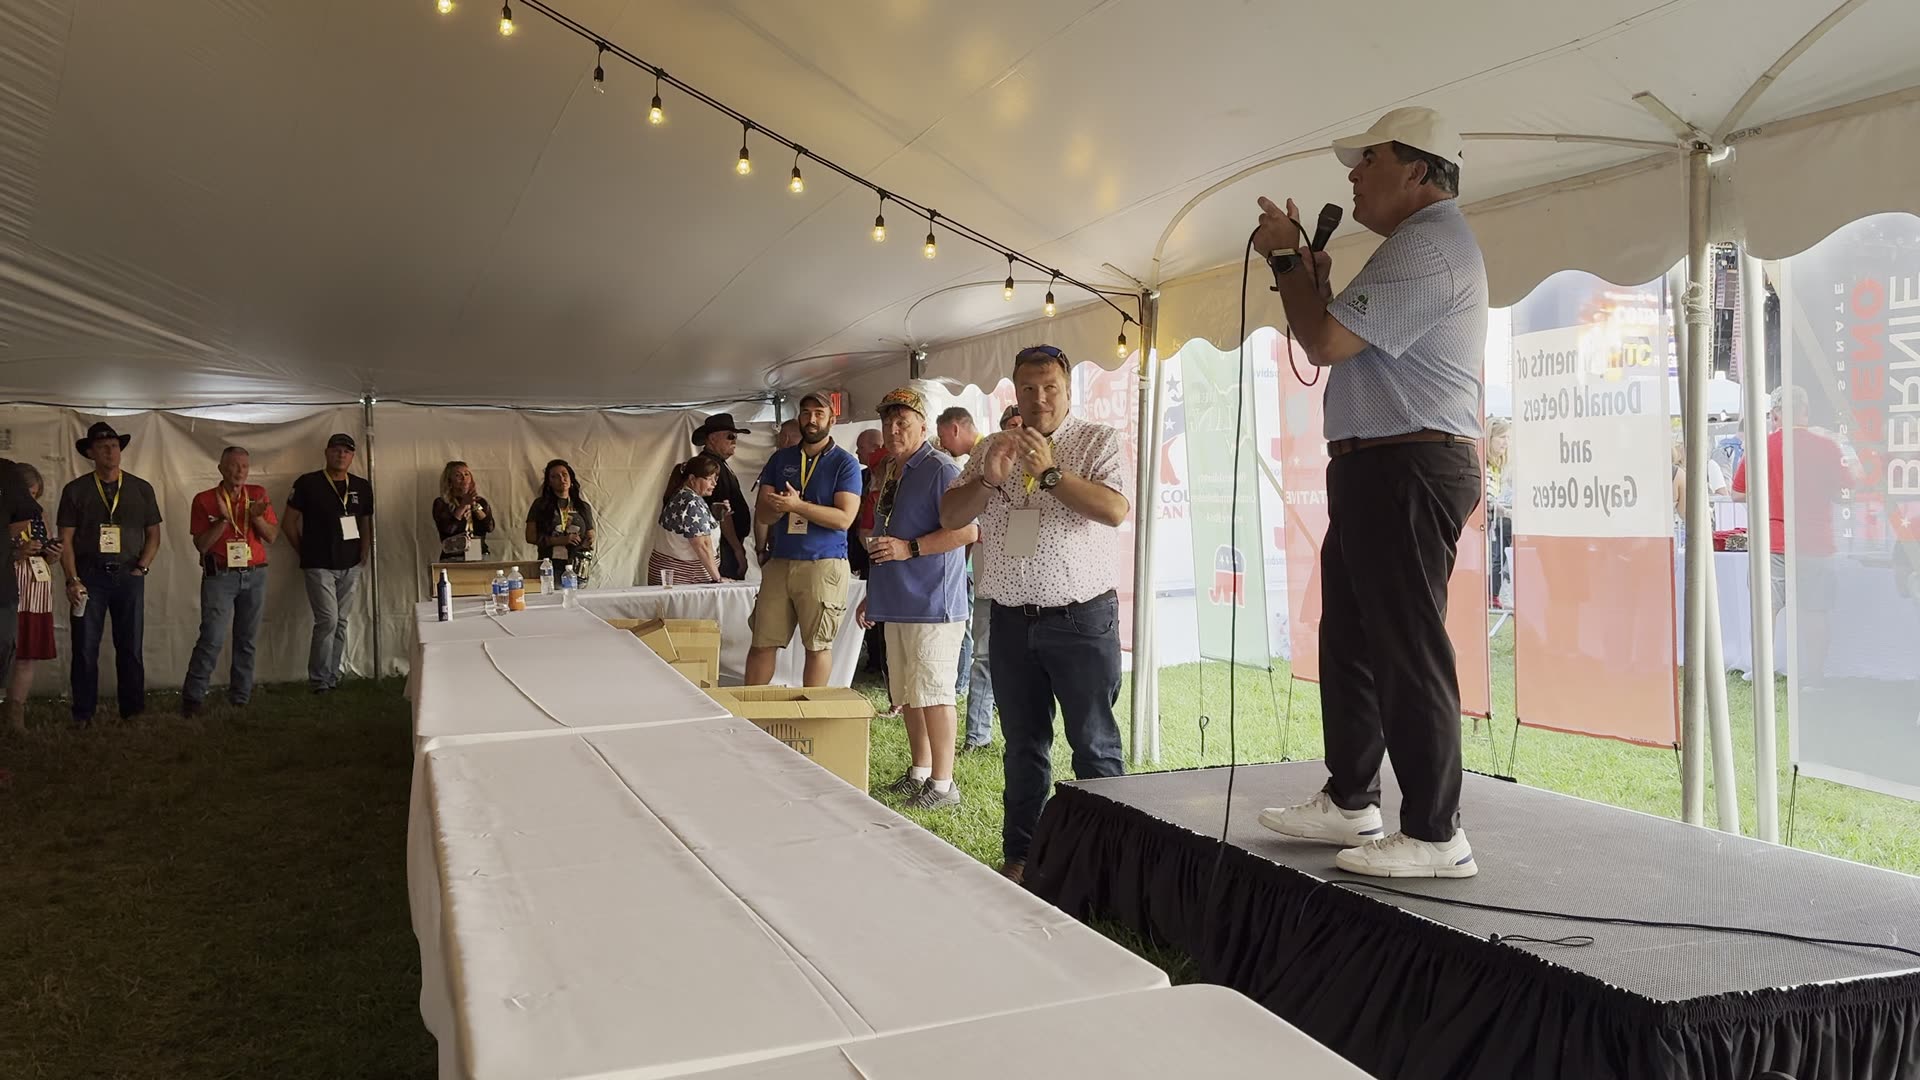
column 1406, row 342
column 1049, row 496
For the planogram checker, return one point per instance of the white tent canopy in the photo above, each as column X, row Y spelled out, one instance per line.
column 214, row 200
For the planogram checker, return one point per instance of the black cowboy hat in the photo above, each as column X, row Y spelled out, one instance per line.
column 101, row 430
column 720, row 421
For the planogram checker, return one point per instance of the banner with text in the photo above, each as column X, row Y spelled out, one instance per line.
column 1229, row 565
column 1302, row 452
column 1592, row 493
column 1851, row 514
column 1113, row 398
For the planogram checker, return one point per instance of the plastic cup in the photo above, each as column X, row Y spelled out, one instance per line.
column 666, row 579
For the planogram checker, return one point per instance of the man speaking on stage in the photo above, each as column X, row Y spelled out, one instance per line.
column 1406, row 342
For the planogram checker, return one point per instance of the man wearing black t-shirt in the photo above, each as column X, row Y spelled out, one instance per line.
column 718, row 437
column 109, row 524
column 328, row 521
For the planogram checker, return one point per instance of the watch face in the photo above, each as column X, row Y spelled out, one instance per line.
column 1049, row 478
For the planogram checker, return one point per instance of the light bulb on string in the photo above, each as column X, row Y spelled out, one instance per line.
column 599, row 72
column 1120, row 350
column 656, row 115
column 796, row 184
column 445, row 7
column 932, row 246
column 506, row 19
column 1049, row 308
column 880, row 221
column 745, row 164
column 1006, row 291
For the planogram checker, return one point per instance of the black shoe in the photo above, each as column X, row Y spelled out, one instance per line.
column 190, row 708
column 322, row 689
column 975, row 748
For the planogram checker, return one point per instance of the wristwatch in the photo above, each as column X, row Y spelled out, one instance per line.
column 1050, row 479
column 1281, row 264
column 913, row 549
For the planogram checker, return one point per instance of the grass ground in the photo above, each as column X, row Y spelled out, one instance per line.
column 226, row 897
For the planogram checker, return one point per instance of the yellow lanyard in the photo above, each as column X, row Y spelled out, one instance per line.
column 566, row 515
column 346, row 494
column 807, row 467
column 246, row 504
column 113, row 508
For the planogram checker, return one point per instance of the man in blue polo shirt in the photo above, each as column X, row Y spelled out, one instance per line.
column 810, row 494
column 917, row 588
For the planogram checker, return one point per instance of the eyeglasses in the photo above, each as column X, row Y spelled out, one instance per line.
column 729, row 436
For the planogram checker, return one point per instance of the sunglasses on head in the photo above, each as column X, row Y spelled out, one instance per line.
column 1040, row 350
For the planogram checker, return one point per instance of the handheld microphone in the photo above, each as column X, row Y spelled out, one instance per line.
column 1330, row 216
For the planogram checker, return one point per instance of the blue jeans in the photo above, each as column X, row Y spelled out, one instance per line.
column 113, row 590
column 1071, row 655
column 230, row 598
column 330, row 592
column 975, row 682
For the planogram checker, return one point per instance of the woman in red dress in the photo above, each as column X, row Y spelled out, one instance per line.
column 35, row 578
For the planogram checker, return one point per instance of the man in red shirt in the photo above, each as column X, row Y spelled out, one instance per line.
column 1820, row 474
column 232, row 523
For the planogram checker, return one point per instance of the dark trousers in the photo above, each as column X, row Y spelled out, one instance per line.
column 731, row 568
column 1070, row 655
column 1387, row 678
column 112, row 590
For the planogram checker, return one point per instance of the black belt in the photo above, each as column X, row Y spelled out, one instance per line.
column 1033, row 611
column 1343, row 447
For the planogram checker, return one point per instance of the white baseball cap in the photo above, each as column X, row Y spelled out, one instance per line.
column 1415, row 126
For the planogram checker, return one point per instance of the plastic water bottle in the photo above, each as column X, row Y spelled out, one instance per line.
column 443, row 593
column 497, row 599
column 569, row 583
column 546, row 577
column 516, row 591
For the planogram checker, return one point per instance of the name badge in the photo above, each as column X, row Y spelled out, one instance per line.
column 1023, row 533
column 239, row 553
column 109, row 539
column 37, row 566
column 349, row 528
column 796, row 525
column 560, row 552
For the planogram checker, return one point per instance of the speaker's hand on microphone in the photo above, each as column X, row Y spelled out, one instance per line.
column 1279, row 230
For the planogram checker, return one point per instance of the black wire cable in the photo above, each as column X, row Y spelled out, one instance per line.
column 660, row 75
column 1621, row 920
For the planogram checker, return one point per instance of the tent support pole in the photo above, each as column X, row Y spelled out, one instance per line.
column 1145, row 700
column 1753, row 375
column 373, row 554
column 1696, row 311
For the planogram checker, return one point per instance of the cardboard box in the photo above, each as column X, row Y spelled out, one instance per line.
column 829, row 724
column 475, row 578
column 689, row 646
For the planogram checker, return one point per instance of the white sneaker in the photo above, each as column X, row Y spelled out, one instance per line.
column 1319, row 819
column 1401, row 855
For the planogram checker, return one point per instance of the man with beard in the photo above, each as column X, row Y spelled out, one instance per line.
column 810, row 495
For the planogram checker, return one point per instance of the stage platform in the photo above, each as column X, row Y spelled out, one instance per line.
column 1413, row 988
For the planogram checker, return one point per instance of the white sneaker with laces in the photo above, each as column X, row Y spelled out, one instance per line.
column 1402, row 856
column 1319, row 819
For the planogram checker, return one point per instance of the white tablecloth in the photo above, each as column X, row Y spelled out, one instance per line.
column 729, row 605
column 1872, row 626
column 649, row 901
column 472, row 623
column 1190, row 1032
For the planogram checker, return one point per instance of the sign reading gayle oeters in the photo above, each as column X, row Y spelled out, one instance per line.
column 1592, row 455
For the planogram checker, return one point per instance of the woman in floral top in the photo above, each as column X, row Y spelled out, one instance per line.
column 685, row 546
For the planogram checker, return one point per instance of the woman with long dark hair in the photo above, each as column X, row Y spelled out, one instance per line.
column 560, row 523
column 686, row 545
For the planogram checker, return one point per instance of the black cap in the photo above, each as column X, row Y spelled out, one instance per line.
column 341, row 438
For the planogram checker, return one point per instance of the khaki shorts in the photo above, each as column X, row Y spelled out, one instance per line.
column 923, row 662
column 797, row 593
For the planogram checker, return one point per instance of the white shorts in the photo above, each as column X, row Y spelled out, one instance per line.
column 923, row 663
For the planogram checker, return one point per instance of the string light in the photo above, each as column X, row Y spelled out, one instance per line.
column 656, row 115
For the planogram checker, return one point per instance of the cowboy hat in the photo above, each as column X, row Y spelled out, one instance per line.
column 101, row 430
column 720, row 421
